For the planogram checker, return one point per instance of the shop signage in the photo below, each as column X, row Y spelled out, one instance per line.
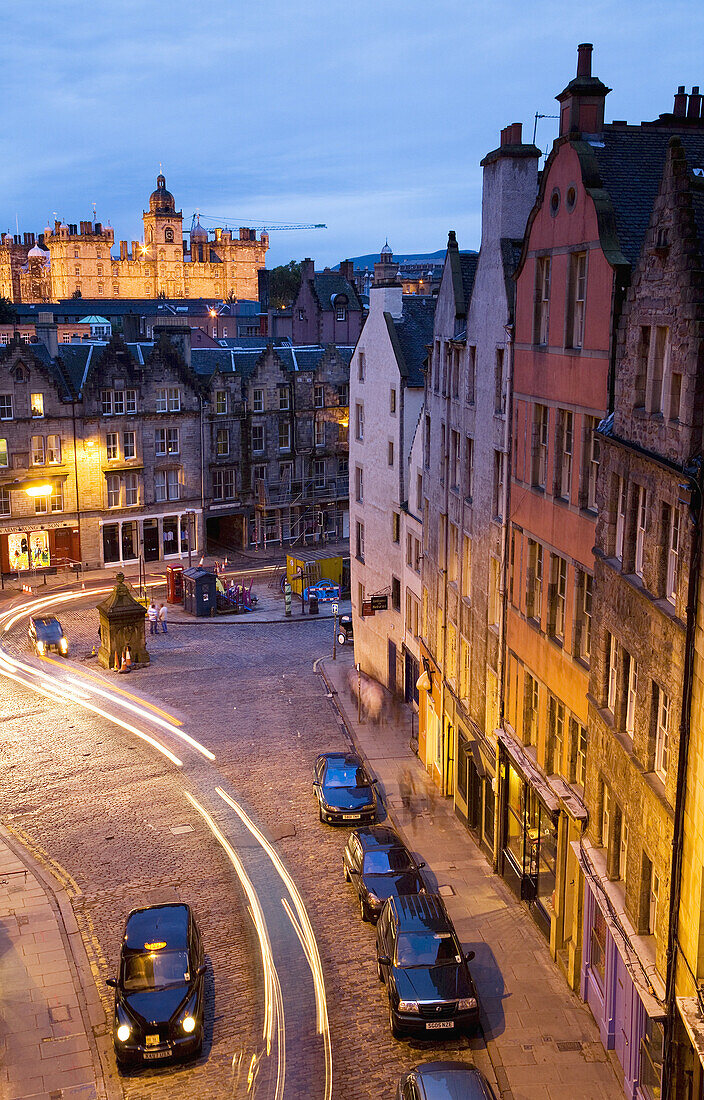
column 379, row 603
column 19, row 530
column 367, row 608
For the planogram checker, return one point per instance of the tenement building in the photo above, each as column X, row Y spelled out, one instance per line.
column 466, row 438
column 115, row 452
column 638, row 688
column 581, row 245
column 68, row 260
column 386, row 397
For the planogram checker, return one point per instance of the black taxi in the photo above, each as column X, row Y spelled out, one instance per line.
column 159, row 991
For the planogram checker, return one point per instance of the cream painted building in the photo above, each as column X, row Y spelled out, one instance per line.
column 386, row 397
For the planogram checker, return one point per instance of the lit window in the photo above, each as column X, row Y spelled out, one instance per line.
column 4, row 456
column 221, row 402
column 37, row 404
column 222, row 442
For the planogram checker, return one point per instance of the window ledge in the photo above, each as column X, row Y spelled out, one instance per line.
column 559, row 643
column 657, row 786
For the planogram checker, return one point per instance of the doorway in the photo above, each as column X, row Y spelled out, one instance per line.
column 151, row 540
column 392, row 667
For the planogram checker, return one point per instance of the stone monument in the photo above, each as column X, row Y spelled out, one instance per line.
column 122, row 625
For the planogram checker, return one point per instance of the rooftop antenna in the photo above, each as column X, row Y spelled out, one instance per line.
column 535, row 124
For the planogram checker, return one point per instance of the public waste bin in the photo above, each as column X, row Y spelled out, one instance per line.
column 312, row 605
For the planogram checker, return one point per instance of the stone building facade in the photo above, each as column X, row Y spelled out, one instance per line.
column 138, row 450
column 466, row 433
column 386, row 396
column 67, row 260
column 644, row 537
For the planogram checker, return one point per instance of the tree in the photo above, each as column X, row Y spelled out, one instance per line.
column 8, row 313
column 284, row 284
column 76, row 293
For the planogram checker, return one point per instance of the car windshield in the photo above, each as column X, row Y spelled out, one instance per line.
column 155, row 970
column 350, row 776
column 387, row 862
column 49, row 630
column 426, row 949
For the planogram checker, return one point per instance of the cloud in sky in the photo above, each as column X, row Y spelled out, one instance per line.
column 370, row 117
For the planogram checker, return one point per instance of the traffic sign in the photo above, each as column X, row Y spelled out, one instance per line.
column 334, row 609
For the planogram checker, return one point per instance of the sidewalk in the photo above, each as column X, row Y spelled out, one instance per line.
column 542, row 1040
column 47, row 1045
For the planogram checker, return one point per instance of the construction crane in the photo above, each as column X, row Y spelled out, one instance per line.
column 269, row 227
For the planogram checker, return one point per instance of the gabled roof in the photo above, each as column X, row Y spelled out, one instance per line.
column 410, row 335
column 328, row 284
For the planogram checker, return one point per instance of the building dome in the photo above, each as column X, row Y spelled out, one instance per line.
column 36, row 253
column 386, row 251
column 198, row 233
column 161, row 201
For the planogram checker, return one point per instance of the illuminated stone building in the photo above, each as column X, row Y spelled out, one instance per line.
column 70, row 259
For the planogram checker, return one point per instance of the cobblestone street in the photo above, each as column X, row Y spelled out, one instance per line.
column 115, row 819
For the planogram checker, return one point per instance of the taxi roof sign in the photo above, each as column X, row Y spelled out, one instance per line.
column 155, row 946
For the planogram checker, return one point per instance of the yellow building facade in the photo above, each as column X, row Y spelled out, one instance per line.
column 69, row 259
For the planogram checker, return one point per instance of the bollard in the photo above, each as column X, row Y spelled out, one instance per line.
column 287, row 597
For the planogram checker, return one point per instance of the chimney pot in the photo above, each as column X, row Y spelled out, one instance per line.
column 517, row 133
column 504, row 136
column 584, row 59
column 680, row 108
column 695, row 102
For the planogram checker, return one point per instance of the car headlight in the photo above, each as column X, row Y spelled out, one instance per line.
column 123, row 1033
column 63, row 645
column 408, row 1006
column 466, row 1002
column 374, row 900
column 40, row 648
column 188, row 1024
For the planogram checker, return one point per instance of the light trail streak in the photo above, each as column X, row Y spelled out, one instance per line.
column 304, row 929
column 273, row 1001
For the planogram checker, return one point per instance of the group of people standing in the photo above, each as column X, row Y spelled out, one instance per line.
column 156, row 614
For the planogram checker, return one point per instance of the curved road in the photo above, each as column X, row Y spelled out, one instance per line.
column 293, row 1030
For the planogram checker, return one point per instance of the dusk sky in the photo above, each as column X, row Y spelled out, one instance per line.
column 371, row 117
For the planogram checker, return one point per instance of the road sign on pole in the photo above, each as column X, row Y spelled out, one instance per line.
column 334, row 609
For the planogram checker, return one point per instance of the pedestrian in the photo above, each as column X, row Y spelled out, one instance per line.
column 406, row 789
column 152, row 614
column 162, row 617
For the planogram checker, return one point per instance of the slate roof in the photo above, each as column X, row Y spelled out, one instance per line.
column 326, row 284
column 410, row 336
column 468, row 269
column 630, row 165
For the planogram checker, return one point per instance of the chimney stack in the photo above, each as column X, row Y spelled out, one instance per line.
column 680, row 108
column 584, row 59
column 695, row 104
column 48, row 333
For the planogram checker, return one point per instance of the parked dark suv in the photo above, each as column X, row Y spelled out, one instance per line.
column 419, row 957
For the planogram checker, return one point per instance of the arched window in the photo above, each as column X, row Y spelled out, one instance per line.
column 168, row 234
column 151, row 235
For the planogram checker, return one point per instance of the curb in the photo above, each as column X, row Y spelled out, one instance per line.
column 492, row 1050
column 91, row 1008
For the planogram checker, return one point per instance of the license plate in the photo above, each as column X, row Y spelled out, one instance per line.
column 152, row 1055
column 436, row 1025
column 351, row 817
column 152, row 1040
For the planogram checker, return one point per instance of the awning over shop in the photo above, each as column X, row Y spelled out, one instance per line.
column 570, row 800
column 529, row 770
column 639, row 964
column 693, row 1020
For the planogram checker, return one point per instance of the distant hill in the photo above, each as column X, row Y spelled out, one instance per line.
column 410, row 258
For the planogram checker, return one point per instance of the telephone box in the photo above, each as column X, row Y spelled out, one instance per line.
column 174, row 583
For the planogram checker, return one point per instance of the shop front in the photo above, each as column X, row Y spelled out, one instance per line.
column 529, row 818
column 27, row 547
column 475, row 801
column 155, row 538
column 619, row 991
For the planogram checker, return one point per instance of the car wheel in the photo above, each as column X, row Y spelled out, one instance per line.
column 342, row 638
column 363, row 911
column 395, row 1029
column 379, row 971
column 346, row 872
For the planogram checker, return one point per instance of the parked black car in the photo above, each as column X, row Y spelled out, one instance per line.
column 344, row 629
column 46, row 633
column 343, row 789
column 159, row 988
column 444, row 1081
column 379, row 864
column 419, row 957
